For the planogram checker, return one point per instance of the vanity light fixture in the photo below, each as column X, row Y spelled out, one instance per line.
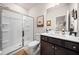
column 74, row 14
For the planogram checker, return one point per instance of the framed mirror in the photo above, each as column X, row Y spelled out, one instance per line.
column 61, row 23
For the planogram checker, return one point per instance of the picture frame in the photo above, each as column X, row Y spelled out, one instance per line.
column 48, row 23
column 40, row 21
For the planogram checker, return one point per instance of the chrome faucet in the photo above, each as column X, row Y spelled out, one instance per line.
column 48, row 30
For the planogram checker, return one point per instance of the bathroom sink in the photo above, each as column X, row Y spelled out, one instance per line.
column 72, row 38
column 65, row 36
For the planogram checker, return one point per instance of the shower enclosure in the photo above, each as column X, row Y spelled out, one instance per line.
column 11, row 26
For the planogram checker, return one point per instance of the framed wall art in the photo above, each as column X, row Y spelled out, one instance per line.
column 40, row 21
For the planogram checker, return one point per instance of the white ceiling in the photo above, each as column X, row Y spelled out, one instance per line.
column 28, row 6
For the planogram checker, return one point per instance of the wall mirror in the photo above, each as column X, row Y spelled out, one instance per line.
column 61, row 23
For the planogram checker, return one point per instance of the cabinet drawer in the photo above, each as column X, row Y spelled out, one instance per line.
column 44, row 38
column 71, row 45
column 56, row 41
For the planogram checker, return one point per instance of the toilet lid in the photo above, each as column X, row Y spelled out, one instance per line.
column 33, row 43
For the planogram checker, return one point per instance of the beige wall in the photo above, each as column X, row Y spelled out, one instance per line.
column 35, row 12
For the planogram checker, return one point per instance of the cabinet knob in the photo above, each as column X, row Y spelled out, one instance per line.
column 52, row 46
column 55, row 48
column 74, row 47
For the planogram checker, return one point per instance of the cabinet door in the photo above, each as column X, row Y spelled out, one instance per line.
column 64, row 51
column 59, row 50
column 72, row 45
column 70, row 52
column 47, row 48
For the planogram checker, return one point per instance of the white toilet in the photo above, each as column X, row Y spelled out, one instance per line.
column 34, row 46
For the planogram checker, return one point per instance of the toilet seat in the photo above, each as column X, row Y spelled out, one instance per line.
column 33, row 47
column 33, row 43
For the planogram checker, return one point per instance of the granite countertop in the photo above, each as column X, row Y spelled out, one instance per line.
column 63, row 37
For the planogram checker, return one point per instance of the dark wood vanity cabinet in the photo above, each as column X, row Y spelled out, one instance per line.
column 55, row 46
